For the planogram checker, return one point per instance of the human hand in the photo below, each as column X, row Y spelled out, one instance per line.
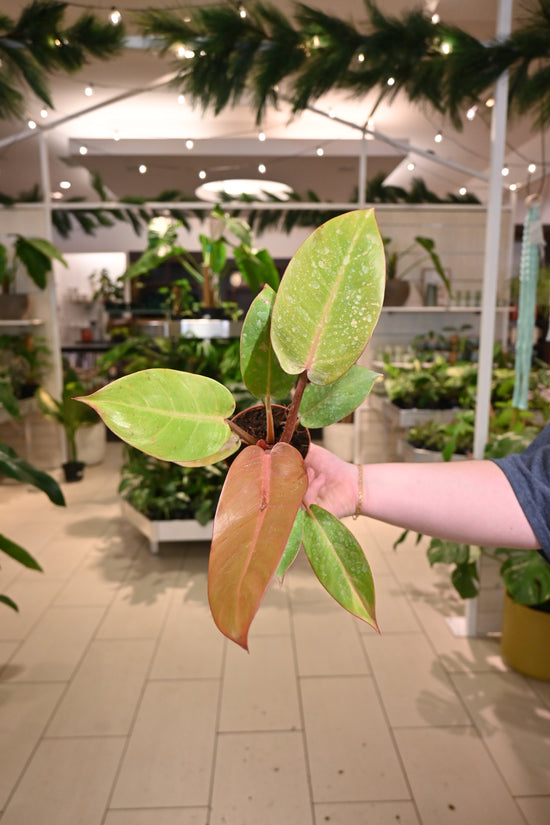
column 332, row 482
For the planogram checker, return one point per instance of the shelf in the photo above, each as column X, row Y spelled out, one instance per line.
column 16, row 326
column 435, row 310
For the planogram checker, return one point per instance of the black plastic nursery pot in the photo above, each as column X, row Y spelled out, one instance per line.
column 74, row 470
column 253, row 421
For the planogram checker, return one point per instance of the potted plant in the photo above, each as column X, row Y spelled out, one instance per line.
column 306, row 337
column 228, row 235
column 35, row 256
column 71, row 416
column 397, row 288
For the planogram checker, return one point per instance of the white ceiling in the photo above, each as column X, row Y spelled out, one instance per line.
column 153, row 128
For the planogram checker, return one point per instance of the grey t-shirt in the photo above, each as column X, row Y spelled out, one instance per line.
column 529, row 474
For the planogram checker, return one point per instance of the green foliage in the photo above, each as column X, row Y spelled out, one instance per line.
column 67, row 412
column 162, row 490
column 40, row 42
column 431, row 386
column 36, row 255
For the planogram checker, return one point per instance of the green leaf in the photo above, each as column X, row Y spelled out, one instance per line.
column 526, row 576
column 261, row 371
column 16, row 467
column 324, row 405
column 339, row 563
column 231, row 446
column 173, row 415
column 256, row 511
column 465, row 579
column 36, row 254
column 15, row 551
column 447, row 552
column 330, row 298
column 9, row 602
column 8, row 399
column 292, row 545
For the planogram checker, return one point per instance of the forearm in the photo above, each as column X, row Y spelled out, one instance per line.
column 468, row 501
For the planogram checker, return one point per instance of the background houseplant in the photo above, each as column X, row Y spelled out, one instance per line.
column 422, row 249
column 309, row 334
column 35, row 256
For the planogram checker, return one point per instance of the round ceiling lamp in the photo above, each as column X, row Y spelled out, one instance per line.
column 260, row 190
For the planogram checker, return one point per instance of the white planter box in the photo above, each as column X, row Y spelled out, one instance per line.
column 413, row 417
column 158, row 531
column 418, row 455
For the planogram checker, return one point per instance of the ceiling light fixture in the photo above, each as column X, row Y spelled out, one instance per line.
column 260, row 190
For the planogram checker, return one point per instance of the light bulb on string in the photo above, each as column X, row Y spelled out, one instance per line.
column 142, row 168
column 181, row 99
column 242, row 12
column 31, row 124
column 89, row 90
column 435, row 18
column 83, row 150
column 202, row 174
column 505, row 171
column 462, row 191
column 189, row 144
column 438, row 137
column 320, row 151
column 411, row 166
column 262, row 168
column 490, row 102
column 261, row 137
column 390, row 81
column 115, row 16
column 532, row 168
column 471, row 113
column 43, row 113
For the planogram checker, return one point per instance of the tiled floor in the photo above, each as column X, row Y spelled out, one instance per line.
column 121, row 704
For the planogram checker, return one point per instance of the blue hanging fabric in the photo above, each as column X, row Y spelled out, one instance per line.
column 531, row 252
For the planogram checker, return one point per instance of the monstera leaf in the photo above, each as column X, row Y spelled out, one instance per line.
column 176, row 416
column 257, row 509
column 330, row 298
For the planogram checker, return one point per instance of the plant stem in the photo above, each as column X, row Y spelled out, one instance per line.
column 243, row 435
column 292, row 418
column 269, row 426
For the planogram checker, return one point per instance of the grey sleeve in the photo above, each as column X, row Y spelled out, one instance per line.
column 529, row 475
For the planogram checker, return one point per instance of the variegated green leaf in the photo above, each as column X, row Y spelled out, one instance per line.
column 256, row 511
column 292, row 545
column 260, row 367
column 339, row 563
column 173, row 415
column 330, row 298
column 324, row 405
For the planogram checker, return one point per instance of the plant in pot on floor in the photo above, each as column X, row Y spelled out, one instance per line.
column 33, row 255
column 306, row 337
column 71, row 416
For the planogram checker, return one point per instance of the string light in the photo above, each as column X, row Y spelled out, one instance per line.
column 115, row 16
column 462, row 191
column 331, row 112
column 116, row 135
column 189, row 144
column 435, row 19
column 438, row 137
column 89, row 90
column 446, row 47
column 532, row 168
column 490, row 102
column 320, row 151
column 262, row 169
column 142, row 168
column 242, row 12
column 261, row 136
column 471, row 113
column 202, row 174
column 181, row 99
column 43, row 113
column 64, row 184
column 360, row 57
column 390, row 81
column 505, row 171
column 83, row 150
column 513, row 187
column 410, row 166
column 31, row 124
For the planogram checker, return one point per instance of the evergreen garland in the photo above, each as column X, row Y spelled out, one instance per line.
column 38, row 43
column 242, row 58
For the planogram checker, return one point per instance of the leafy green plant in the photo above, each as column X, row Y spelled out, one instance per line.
column 233, row 234
column 431, row 386
column 421, row 249
column 306, row 338
column 36, row 255
column 162, row 490
column 67, row 412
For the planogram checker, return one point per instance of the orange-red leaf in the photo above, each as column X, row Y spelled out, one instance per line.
column 259, row 501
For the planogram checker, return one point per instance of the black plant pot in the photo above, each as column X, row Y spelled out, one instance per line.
column 74, row 470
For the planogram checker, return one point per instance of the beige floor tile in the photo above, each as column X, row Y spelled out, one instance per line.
column 515, row 726
column 24, row 713
column 259, row 688
column 97, row 580
column 32, row 596
column 414, row 687
column 273, row 616
column 169, row 756
column 393, row 611
column 350, row 749
column 536, row 809
column 159, row 816
column 56, row 645
column 327, row 641
column 453, row 779
column 7, row 649
column 67, row 782
column 260, row 778
column 471, row 655
column 542, row 689
column 190, row 645
column 102, row 698
column 361, row 813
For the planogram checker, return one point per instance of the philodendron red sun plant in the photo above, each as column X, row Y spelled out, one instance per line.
column 302, row 342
